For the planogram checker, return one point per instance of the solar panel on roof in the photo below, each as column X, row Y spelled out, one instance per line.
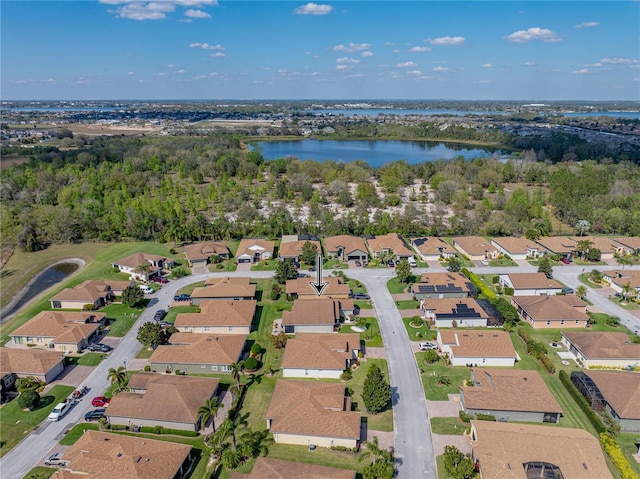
column 426, row 288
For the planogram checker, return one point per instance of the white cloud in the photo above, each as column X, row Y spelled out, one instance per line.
column 535, row 33
column 582, row 71
column 313, row 9
column 206, row 46
column 395, row 50
column 347, row 60
column 618, row 61
column 414, row 72
column 528, row 64
column 447, row 41
column 587, row 25
column 218, row 55
column 440, row 69
column 341, row 67
column 352, row 47
column 406, row 65
column 367, row 54
column 487, row 65
column 420, row 49
column 597, row 64
column 130, row 73
column 192, row 13
column 180, row 72
column 354, row 75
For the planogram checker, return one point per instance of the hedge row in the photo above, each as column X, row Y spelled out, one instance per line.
column 537, row 349
column 594, row 419
column 486, row 292
column 164, row 430
column 617, row 457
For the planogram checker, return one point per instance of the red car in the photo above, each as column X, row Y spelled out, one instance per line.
column 566, row 260
column 100, row 401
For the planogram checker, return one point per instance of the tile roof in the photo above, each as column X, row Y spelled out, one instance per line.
column 631, row 242
column 553, row 307
column 443, row 283
column 267, row 468
column 89, row 291
column 62, row 326
column 533, row 281
column 516, row 245
column 603, row 345
column 503, row 448
column 136, row 259
column 509, row 390
column 220, row 313
column 558, row 244
column 312, row 409
column 392, row 241
column 474, row 245
column 320, row 351
column 302, row 286
column 294, row 248
column 101, row 455
column 479, row 343
column 348, row 243
column 226, row 288
column 194, row 348
column 312, row 311
column 167, row 398
column 605, row 245
column 432, row 246
column 621, row 389
column 251, row 245
column 202, row 251
column 451, row 308
column 28, row 361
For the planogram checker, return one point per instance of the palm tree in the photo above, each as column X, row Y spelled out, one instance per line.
column 143, row 270
column 583, row 247
column 581, row 292
column 117, row 376
column 442, row 380
column 209, row 410
column 626, row 291
column 236, row 369
column 374, row 452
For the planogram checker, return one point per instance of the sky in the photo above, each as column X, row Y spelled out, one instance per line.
column 357, row 50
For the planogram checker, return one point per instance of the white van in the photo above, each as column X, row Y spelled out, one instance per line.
column 146, row 289
column 412, row 262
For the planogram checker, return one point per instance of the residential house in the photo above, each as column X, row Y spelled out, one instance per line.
column 627, row 245
column 91, row 292
column 389, row 244
column 268, row 468
column 477, row 347
column 433, row 248
column 219, row 317
column 198, row 353
column 319, row 355
column 301, row 288
column 102, row 455
column 163, row 400
column 42, row 365
column 559, row 245
column 65, row 331
column 510, row 395
column 541, row 312
column 607, row 246
column 143, row 266
column 615, row 392
column 522, row 451
column 225, row 289
column 619, row 279
column 530, row 284
column 475, row 248
column 254, row 250
column 602, row 349
column 454, row 312
column 518, row 248
column 443, row 285
column 199, row 254
column 346, row 248
column 293, row 249
column 312, row 316
column 312, row 413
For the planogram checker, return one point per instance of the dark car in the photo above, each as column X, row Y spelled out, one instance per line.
column 55, row 459
column 95, row 415
column 104, row 348
column 391, row 263
column 566, row 260
column 164, row 324
column 361, row 296
column 159, row 314
column 358, row 263
column 100, row 401
column 182, row 297
column 568, row 290
column 159, row 279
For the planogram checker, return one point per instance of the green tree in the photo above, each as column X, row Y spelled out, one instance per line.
column 594, row 255
column 583, row 247
column 376, row 392
column 118, row 376
column 236, row 369
column 279, row 340
column 627, row 289
column 431, row 356
column 443, row 380
column 403, row 271
column 29, row 399
column 507, row 311
column 596, row 276
column 208, row 411
column 382, row 465
column 309, row 253
column 457, row 465
column 285, row 270
column 133, row 296
column 581, row 292
column 29, row 382
column 143, row 269
column 582, row 227
column 454, row 264
column 545, row 266
column 152, row 335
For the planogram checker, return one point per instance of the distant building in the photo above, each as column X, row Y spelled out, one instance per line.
column 566, row 311
column 346, row 248
column 477, row 347
column 91, row 292
column 301, row 288
column 224, row 289
column 517, row 248
column 475, row 248
column 530, row 284
column 602, row 349
column 466, row 312
column 391, row 243
column 200, row 253
column 219, row 317
column 254, row 250
column 560, row 245
column 443, row 285
column 133, row 264
column 318, row 355
column 433, row 248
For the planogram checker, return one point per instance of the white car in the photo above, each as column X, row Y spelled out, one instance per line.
column 59, row 411
column 484, row 262
column 426, row 345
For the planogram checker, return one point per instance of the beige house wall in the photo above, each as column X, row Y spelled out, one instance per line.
column 127, row 421
column 74, row 304
column 557, row 323
column 215, row 329
column 300, row 440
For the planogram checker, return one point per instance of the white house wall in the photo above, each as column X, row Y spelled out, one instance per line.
column 480, row 361
column 311, row 373
column 301, row 440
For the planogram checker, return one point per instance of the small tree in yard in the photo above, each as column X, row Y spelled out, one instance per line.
column 376, row 392
column 132, row 295
column 285, row 270
column 431, row 356
column 457, row 465
column 279, row 340
column 29, row 399
column 152, row 335
column 454, row 264
column 403, row 271
column 309, row 252
column 544, row 266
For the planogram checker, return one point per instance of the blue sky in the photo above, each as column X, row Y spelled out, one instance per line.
column 208, row 49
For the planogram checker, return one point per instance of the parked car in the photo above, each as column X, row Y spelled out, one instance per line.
column 60, row 410
column 159, row 279
column 159, row 314
column 391, row 263
column 566, row 260
column 100, row 401
column 182, row 297
column 105, row 348
column 95, row 415
column 361, row 296
column 484, row 262
column 146, row 289
column 164, row 324
column 427, row 345
column 568, row 290
column 55, row 459
column 358, row 263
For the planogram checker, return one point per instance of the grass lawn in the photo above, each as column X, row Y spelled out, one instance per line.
column 121, row 317
column 448, row 426
column 433, row 392
column 629, row 444
column 190, row 287
column 87, row 359
column 396, row 287
column 584, row 279
column 73, row 434
column 40, row 472
column 268, row 265
column 170, row 317
column 15, row 423
column 371, row 336
column 502, row 262
column 440, row 467
column 356, row 286
column 144, row 353
column 628, row 305
column 227, row 265
column 361, row 304
column 378, row 422
column 408, row 304
column 419, row 334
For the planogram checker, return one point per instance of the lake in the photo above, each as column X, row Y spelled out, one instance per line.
column 372, row 112
column 375, row 152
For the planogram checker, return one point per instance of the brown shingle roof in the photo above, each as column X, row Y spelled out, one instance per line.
column 514, row 245
column 558, row 244
column 479, row 343
column 631, row 242
column 101, row 455
column 446, row 282
column 294, row 248
column 28, row 361
column 226, row 288
column 432, row 246
column 302, row 286
column 313, row 409
column 502, row 448
column 392, row 241
column 192, row 348
column 446, row 306
column 509, row 390
column 220, row 313
column 605, row 245
column 62, row 326
column 349, row 243
column 320, row 351
column 312, row 311
column 167, row 398
column 88, row 291
column 137, row 259
column 543, row 308
column 533, row 281
column 474, row 245
column 603, row 345
column 267, row 468
column 251, row 245
column 620, row 389
column 202, row 251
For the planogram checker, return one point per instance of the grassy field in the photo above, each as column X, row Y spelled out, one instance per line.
column 87, row 359
column 449, row 426
column 419, row 334
column 40, row 472
column 378, row 422
column 15, row 423
column 502, row 262
column 362, row 304
column 72, row 436
column 268, row 265
column 396, row 287
column 371, row 336
column 122, row 317
column 170, row 317
column 429, row 373
column 408, row 304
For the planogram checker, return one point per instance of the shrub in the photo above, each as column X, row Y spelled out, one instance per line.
column 484, row 291
column 594, row 419
column 87, row 307
column 256, row 349
column 147, row 368
column 431, row 356
column 279, row 340
column 29, row 399
column 617, row 457
column 174, row 432
column 159, row 429
column 29, row 382
column 251, row 364
column 180, row 272
column 495, row 280
column 275, row 293
column 509, row 291
column 464, row 417
column 347, row 375
column 485, row 417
